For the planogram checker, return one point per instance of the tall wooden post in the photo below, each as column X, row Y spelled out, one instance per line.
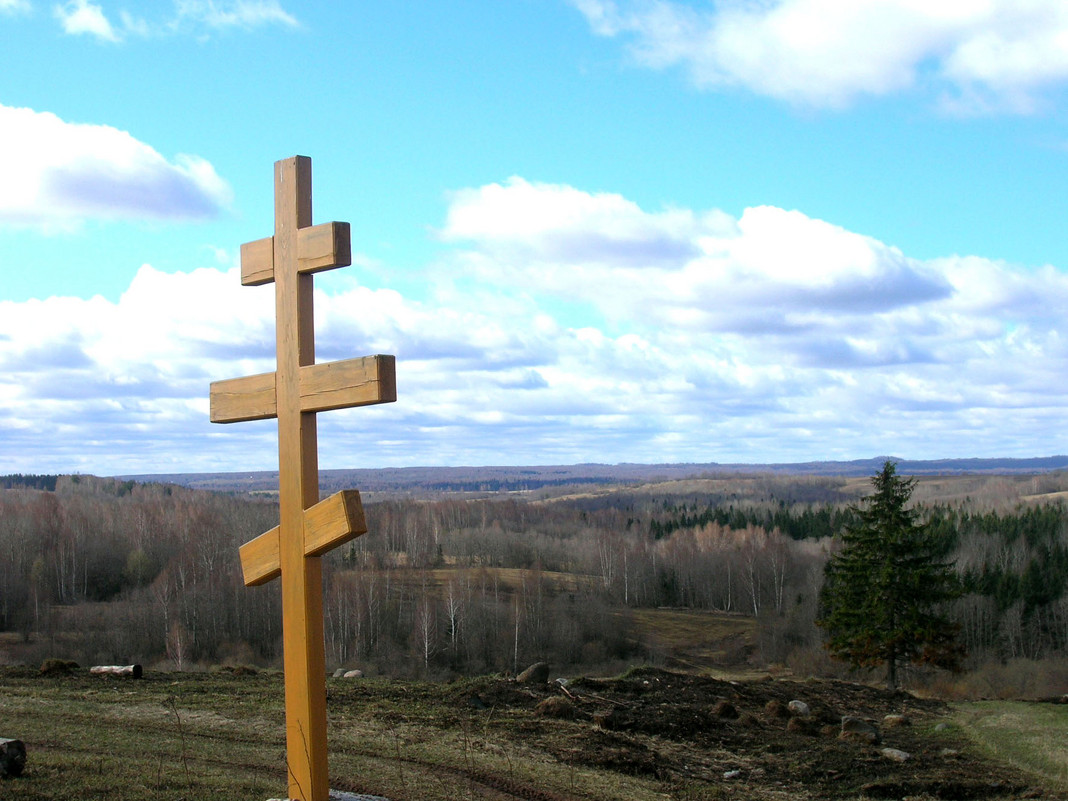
column 294, row 393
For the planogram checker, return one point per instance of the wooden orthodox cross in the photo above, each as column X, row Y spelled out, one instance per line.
column 298, row 389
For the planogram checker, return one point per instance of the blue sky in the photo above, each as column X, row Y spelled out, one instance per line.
column 590, row 231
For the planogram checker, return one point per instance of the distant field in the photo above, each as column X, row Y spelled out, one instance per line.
column 683, row 638
column 696, row 640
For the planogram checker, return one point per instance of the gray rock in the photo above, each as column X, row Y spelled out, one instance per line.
column 893, row 721
column 352, row 674
column 538, row 673
column 896, row 754
column 858, row 730
column 339, row 673
column 799, row 708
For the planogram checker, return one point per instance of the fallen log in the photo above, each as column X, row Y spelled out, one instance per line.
column 117, row 670
column 12, row 757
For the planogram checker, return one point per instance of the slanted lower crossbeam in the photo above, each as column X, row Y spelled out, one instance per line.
column 328, row 524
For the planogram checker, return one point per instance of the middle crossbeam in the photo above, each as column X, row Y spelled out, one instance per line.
column 331, row 385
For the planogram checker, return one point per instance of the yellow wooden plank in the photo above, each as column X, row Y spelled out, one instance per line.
column 323, row 247
column 333, row 522
column 348, row 383
column 257, row 262
column 327, row 524
column 251, row 397
column 304, row 659
column 259, row 559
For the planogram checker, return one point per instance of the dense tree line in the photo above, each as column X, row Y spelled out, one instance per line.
column 47, row 483
column 103, row 570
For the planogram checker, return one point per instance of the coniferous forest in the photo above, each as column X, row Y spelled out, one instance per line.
column 588, row 577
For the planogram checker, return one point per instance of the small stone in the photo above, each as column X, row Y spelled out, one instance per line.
column 339, row 673
column 949, row 752
column 352, row 674
column 894, row 721
column 732, row 774
column 538, row 673
column 896, row 754
column 942, row 727
column 799, row 708
column 858, row 730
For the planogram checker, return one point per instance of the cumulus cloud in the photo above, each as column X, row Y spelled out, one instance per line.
column 996, row 55
column 69, row 172
column 83, row 17
column 772, row 336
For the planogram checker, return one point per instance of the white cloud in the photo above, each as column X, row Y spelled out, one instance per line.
column 82, row 16
column 14, row 6
column 770, row 337
column 69, row 172
column 994, row 55
column 196, row 16
column 241, row 14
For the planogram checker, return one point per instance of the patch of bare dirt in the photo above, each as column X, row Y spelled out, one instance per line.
column 694, row 731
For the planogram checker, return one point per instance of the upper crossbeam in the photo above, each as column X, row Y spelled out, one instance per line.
column 319, row 247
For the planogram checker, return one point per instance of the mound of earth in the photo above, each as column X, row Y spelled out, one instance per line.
column 747, row 737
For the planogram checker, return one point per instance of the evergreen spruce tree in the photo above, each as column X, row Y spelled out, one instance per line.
column 882, row 593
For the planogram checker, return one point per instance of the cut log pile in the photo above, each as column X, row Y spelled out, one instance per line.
column 134, row 671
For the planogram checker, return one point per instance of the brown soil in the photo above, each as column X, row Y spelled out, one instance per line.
column 693, row 732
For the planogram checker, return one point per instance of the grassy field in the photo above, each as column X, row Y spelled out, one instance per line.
column 179, row 737
column 1031, row 736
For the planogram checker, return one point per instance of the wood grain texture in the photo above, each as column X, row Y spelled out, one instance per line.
column 259, row 559
column 351, row 382
column 333, row 522
column 328, row 524
column 257, row 262
column 236, row 400
column 323, row 247
column 304, row 657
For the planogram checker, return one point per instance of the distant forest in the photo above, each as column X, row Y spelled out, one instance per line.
column 104, row 571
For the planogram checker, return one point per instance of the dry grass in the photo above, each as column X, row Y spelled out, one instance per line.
column 1027, row 735
column 695, row 640
column 176, row 737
